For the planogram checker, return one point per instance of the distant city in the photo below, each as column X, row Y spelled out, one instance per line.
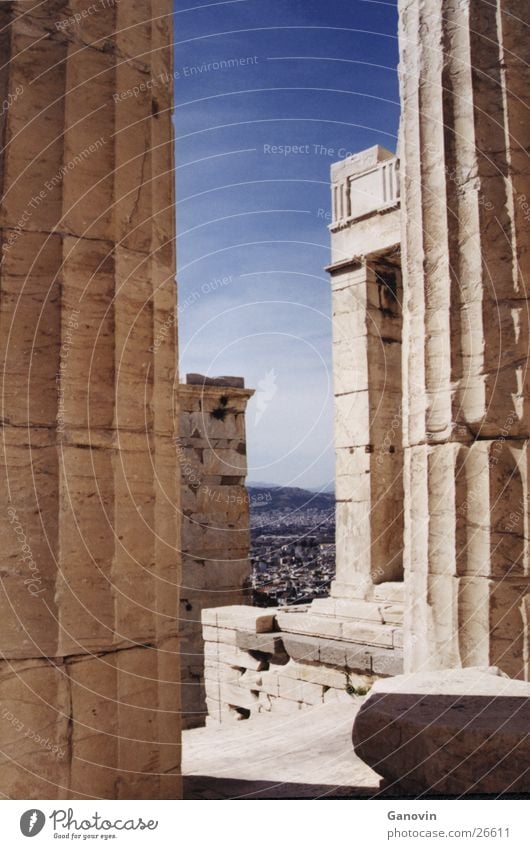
column 292, row 544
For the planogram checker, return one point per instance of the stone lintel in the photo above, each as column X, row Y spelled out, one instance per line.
column 194, row 390
column 384, row 255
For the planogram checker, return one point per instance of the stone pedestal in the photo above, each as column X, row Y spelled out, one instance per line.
column 89, row 680
column 457, row 732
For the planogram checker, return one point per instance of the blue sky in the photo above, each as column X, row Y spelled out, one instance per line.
column 318, row 76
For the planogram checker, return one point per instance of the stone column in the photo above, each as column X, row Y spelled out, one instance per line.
column 467, row 418
column 367, row 375
column 212, row 454
column 89, row 677
column 366, row 299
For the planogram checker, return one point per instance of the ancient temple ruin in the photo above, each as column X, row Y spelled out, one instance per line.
column 431, row 349
column 432, row 425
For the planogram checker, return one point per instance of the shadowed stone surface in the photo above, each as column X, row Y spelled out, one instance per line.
column 305, row 755
column 456, row 731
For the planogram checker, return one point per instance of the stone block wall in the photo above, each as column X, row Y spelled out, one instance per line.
column 286, row 659
column 211, row 450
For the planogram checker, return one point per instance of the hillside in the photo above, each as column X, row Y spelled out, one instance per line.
column 289, row 497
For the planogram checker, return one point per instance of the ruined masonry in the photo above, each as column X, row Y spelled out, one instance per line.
column 89, row 675
column 288, row 658
column 215, row 518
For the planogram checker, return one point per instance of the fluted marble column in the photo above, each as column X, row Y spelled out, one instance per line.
column 89, row 676
column 465, row 259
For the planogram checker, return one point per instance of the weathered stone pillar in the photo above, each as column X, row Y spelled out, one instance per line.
column 212, row 454
column 366, row 299
column 89, row 676
column 467, row 417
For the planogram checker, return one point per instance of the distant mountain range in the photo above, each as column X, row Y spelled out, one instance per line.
column 276, row 497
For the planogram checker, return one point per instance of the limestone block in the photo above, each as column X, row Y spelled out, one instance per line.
column 209, row 617
column 34, row 729
column 307, row 623
column 28, row 609
column 241, row 616
column 284, row 707
column 269, row 683
column 86, row 604
column 212, row 689
column 352, row 474
column 452, row 732
column 135, row 31
column 238, row 696
column 354, row 630
column 299, row 691
column 30, row 326
column 204, row 540
column 133, row 317
column 364, row 632
column 220, row 635
column 199, row 424
column 153, row 731
column 133, row 186
column 344, row 609
column 397, row 638
column 214, row 710
column 87, row 28
column 391, row 591
column 232, row 656
column 227, row 506
column 343, row 655
column 372, row 233
column 349, row 302
column 302, row 648
column 316, row 674
column 352, row 417
column 268, row 643
column 231, row 674
column 96, row 732
column 38, row 154
column 392, row 614
column 351, row 366
column 89, row 142
column 229, row 461
column 353, row 542
column 382, row 662
column 227, row 575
